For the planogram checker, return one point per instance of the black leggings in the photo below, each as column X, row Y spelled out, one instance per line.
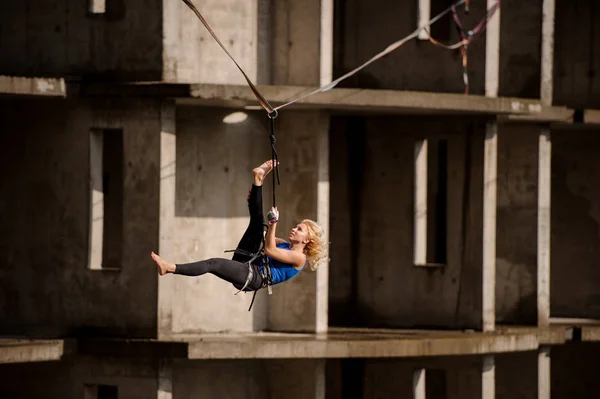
column 235, row 270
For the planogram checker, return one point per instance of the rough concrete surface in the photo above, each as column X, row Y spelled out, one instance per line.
column 42, row 87
column 25, row 351
column 46, row 287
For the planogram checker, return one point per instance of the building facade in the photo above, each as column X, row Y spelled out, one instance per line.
column 463, row 228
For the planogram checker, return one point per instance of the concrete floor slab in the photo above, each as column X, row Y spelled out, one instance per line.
column 591, row 116
column 25, row 351
column 38, row 87
column 590, row 333
column 336, row 343
column 343, row 100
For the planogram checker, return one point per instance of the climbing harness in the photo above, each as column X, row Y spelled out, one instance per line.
column 264, row 268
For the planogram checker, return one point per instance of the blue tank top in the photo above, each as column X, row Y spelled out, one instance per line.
column 280, row 271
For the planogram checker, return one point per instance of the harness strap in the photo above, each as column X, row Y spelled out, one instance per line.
column 267, row 280
column 248, row 279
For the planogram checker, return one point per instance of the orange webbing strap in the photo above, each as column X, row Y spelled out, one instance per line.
column 261, row 99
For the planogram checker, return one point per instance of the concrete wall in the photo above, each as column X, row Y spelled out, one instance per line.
column 517, row 376
column 214, row 161
column 135, row 379
column 574, row 371
column 192, row 55
column 516, row 239
column 300, row 304
column 295, row 42
column 520, row 48
column 213, row 168
column 577, row 61
column 573, row 375
column 46, row 287
column 248, row 379
column 366, row 27
column 41, row 38
column 373, row 279
column 456, row 377
column 138, row 378
column 575, row 275
column 220, row 378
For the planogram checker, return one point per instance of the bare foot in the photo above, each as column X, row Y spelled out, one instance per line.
column 260, row 172
column 163, row 266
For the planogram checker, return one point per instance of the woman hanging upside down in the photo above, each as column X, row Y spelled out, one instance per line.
column 286, row 259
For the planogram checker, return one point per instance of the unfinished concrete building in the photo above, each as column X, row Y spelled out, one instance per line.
column 464, row 228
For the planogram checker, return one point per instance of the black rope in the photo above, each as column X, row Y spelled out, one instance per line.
column 274, row 155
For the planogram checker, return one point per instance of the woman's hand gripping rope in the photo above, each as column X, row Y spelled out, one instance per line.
column 273, row 215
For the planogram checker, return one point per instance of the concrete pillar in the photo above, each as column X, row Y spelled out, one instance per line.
column 544, row 377
column 492, row 66
column 544, row 167
column 489, row 226
column 303, row 147
column 170, row 39
column 168, row 146
column 488, row 377
column 543, row 227
column 423, row 17
column 492, row 53
column 547, row 72
column 323, row 204
column 165, row 380
column 326, row 42
column 420, row 210
column 419, row 384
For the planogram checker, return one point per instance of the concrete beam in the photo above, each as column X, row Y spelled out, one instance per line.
column 343, row 100
column 133, row 348
column 25, row 351
column 591, row 116
column 388, row 101
column 555, row 335
column 543, row 227
column 337, row 343
column 590, row 333
column 38, row 87
column 274, row 345
column 561, row 116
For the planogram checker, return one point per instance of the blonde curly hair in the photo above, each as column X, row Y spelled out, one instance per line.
column 316, row 249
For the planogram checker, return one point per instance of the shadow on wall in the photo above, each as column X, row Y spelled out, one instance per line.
column 216, row 152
